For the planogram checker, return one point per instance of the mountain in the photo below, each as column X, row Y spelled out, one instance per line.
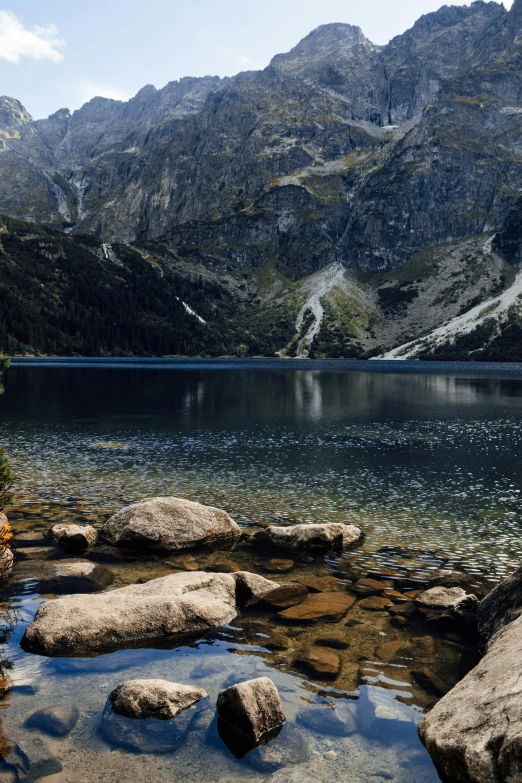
column 349, row 199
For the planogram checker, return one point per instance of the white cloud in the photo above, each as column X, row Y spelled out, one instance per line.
column 243, row 59
column 16, row 41
column 508, row 3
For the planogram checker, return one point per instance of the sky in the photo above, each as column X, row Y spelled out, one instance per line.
column 61, row 53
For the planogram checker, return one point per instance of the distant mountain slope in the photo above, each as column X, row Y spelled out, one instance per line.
column 346, row 200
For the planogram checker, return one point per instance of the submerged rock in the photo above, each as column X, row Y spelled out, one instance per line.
column 30, row 538
column 278, row 566
column 253, row 707
column 375, row 603
column 338, row 722
column 368, row 586
column 37, row 553
column 32, row 760
column 380, row 714
column 283, row 597
column 319, row 662
column 317, row 537
column 61, row 576
column 159, row 610
column 447, row 604
column 289, row 747
column 158, row 699
column 170, row 524
column 56, row 721
column 74, row 539
column 325, row 607
column 321, row 584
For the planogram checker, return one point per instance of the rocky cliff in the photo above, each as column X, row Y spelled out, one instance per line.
column 341, row 155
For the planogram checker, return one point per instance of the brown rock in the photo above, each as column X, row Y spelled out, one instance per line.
column 338, row 641
column 326, row 607
column 279, row 566
column 320, row 584
column 6, row 685
column 253, row 707
column 393, row 651
column 321, row 663
column 36, row 553
column 429, row 681
column 396, row 597
column 375, row 603
column 370, row 586
column 283, row 597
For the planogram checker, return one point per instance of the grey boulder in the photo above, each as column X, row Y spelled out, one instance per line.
column 145, row 614
column 74, row 539
column 447, row 604
column 158, row 699
column 251, row 587
column 501, row 606
column 252, row 708
column 170, row 524
column 474, row 733
column 317, row 537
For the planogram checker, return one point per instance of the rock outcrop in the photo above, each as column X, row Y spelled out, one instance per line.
column 158, row 611
column 170, row 524
column 447, row 604
column 473, row 733
column 317, row 537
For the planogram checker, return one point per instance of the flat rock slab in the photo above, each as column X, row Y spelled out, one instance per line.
column 157, row 611
column 337, row 641
column 30, row 538
column 317, row 537
column 60, row 576
column 57, row 720
column 370, row 586
column 322, row 584
column 375, row 603
column 170, row 524
column 320, row 662
column 160, row 699
column 283, row 597
column 473, row 734
column 37, row 553
column 326, row 607
column 278, row 566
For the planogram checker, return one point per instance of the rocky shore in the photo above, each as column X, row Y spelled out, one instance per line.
column 316, row 624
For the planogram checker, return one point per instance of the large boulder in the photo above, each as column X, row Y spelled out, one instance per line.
column 60, row 576
column 501, row 606
column 74, row 539
column 170, row 524
column 158, row 699
column 474, row 733
column 320, row 537
column 253, row 708
column 158, row 611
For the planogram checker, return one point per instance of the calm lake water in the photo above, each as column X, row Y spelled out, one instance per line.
column 425, row 457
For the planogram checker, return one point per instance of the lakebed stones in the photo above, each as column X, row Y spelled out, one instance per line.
column 324, row 607
column 379, row 713
column 60, row 576
column 338, row 722
column 74, row 539
column 278, row 566
column 144, row 614
column 253, row 708
column 37, row 553
column 317, row 537
column 447, row 605
column 375, row 603
column 158, row 699
column 289, row 747
column 321, row 584
column 30, row 538
column 337, row 641
column 368, row 586
column 170, row 524
column 57, row 721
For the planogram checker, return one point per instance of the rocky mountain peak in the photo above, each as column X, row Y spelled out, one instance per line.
column 325, row 42
column 13, row 116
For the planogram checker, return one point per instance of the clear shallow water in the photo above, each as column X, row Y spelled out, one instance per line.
column 427, row 460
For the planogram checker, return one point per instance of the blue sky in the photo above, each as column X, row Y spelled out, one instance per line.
column 56, row 53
